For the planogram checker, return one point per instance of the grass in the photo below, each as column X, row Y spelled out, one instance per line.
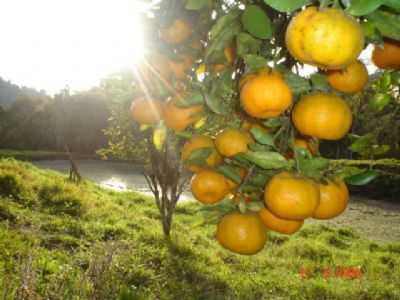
column 64, row 241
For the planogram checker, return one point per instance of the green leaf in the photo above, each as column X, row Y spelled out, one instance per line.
column 297, row 84
column 215, row 51
column 266, row 160
column 223, row 22
column 362, row 178
column 363, row 7
column 199, row 156
column 255, row 206
column 214, row 104
column 194, row 99
column 395, row 4
column 275, row 122
column 254, row 62
column 259, row 179
column 230, row 172
column 363, row 143
column 387, row 23
column 319, row 82
column 246, row 44
column 262, row 136
column 287, row 5
column 379, row 101
column 256, row 22
column 313, row 167
column 197, row 4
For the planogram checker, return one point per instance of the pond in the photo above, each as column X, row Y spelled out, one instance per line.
column 120, row 176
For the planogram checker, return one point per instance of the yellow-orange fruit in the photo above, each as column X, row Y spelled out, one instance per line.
column 232, row 141
column 146, row 111
column 209, row 187
column 179, row 118
column 177, row 32
column 198, row 142
column 388, row 56
column 351, row 79
column 291, row 197
column 265, row 95
column 278, row 224
column 322, row 115
column 325, row 37
column 242, row 233
column 334, row 197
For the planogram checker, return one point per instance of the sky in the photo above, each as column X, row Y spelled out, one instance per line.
column 51, row 44
column 48, row 44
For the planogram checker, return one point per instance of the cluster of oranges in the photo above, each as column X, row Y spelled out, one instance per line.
column 289, row 198
column 324, row 37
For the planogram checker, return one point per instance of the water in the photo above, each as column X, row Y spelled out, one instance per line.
column 119, row 176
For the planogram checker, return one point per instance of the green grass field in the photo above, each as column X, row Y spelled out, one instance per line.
column 63, row 241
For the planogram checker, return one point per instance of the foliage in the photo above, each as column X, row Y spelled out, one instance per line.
column 117, row 251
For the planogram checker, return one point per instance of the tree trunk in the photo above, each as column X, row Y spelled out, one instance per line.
column 165, row 180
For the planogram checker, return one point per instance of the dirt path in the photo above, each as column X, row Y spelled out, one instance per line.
column 375, row 220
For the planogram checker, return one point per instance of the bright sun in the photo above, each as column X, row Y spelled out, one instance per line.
column 50, row 44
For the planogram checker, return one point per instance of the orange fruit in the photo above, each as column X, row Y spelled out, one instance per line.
column 291, row 197
column 179, row 118
column 146, row 111
column 322, row 115
column 180, row 67
column 177, row 32
column 198, row 142
column 351, row 79
column 209, row 187
column 325, row 37
column 277, row 224
column 232, row 141
column 334, row 197
column 242, row 233
column 265, row 95
column 387, row 57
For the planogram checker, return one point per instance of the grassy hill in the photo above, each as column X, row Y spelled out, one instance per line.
column 64, row 241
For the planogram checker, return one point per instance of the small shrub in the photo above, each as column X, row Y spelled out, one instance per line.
column 66, row 226
column 65, row 242
column 58, row 201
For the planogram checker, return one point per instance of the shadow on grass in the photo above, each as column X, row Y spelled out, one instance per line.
column 188, row 269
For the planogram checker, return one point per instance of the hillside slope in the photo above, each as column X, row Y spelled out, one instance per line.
column 64, row 241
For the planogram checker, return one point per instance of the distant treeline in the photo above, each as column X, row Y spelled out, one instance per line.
column 31, row 120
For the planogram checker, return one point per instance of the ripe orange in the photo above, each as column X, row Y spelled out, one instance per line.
column 146, row 111
column 322, row 115
column 179, row 118
column 325, row 37
column 177, row 32
column 198, row 142
column 265, row 95
column 277, row 224
column 232, row 141
column 387, row 57
column 242, row 233
column 180, row 67
column 209, row 187
column 351, row 79
column 334, row 197
column 291, row 197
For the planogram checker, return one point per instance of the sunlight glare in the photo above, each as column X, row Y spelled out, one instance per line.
column 50, row 44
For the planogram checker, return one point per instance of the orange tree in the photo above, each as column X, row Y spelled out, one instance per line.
column 223, row 97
